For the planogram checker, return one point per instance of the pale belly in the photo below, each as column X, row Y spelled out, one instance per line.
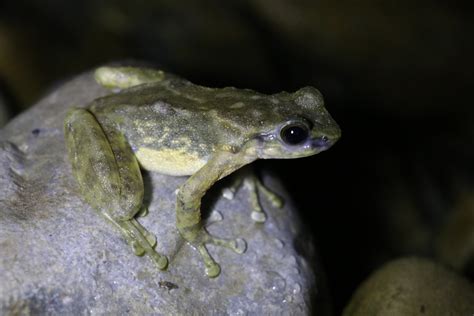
column 169, row 161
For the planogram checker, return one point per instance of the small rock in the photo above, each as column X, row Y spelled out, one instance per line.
column 412, row 286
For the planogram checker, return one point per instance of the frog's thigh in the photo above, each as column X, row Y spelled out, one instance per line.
column 109, row 177
column 105, row 168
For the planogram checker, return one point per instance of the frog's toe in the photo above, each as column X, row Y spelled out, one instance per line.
column 258, row 216
column 213, row 269
column 138, row 250
column 150, row 238
column 143, row 212
column 258, row 190
column 142, row 242
column 274, row 199
column 240, row 245
column 160, row 261
column 215, row 217
column 237, row 245
column 228, row 193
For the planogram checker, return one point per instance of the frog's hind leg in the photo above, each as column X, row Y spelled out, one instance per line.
column 250, row 181
column 143, row 211
column 142, row 241
column 109, row 177
column 256, row 190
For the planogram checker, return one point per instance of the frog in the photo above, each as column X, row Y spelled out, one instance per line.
column 159, row 122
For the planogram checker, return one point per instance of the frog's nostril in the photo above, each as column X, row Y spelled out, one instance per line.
column 322, row 141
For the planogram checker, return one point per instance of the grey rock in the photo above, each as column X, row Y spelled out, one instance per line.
column 412, row 286
column 58, row 256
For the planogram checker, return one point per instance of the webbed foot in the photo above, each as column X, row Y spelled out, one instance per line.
column 142, row 241
column 212, row 268
column 143, row 212
column 256, row 190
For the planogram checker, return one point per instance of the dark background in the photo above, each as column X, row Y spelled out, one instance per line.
column 396, row 75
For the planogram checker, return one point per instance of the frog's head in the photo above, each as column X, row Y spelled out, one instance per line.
column 301, row 126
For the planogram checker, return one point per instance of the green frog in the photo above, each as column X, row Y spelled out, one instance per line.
column 160, row 122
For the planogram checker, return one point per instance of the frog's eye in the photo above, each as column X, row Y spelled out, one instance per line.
column 294, row 133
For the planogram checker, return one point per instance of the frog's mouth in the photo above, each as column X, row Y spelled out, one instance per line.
column 310, row 147
column 321, row 143
column 274, row 148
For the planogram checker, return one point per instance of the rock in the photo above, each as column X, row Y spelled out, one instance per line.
column 412, row 286
column 58, row 256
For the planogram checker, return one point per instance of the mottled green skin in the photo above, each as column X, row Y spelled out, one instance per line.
column 167, row 124
column 209, row 118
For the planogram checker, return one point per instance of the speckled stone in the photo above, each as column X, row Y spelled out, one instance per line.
column 412, row 286
column 58, row 256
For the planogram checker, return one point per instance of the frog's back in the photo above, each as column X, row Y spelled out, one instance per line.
column 173, row 128
column 208, row 117
column 175, row 120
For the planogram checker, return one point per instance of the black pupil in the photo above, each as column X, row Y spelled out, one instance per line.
column 294, row 134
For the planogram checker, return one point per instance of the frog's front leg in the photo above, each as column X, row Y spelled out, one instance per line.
column 109, row 178
column 188, row 213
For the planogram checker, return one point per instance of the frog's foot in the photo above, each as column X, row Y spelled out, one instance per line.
column 143, row 212
column 213, row 269
column 142, row 241
column 256, row 188
column 229, row 191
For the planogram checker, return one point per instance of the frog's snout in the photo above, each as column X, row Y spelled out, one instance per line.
column 321, row 142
